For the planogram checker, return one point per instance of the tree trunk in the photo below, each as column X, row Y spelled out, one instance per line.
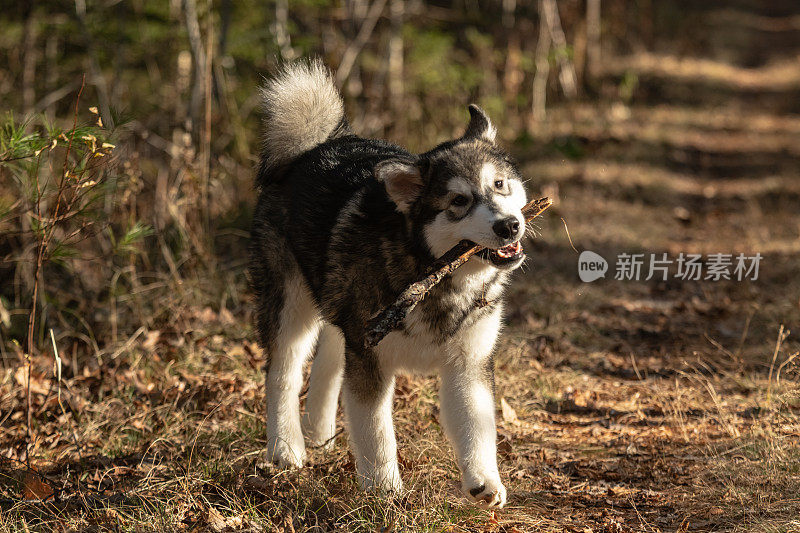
column 593, row 38
column 281, row 30
column 29, row 60
column 199, row 57
column 566, row 71
column 397, row 14
column 542, row 68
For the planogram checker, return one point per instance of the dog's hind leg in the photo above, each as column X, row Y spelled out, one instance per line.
column 291, row 345
column 319, row 422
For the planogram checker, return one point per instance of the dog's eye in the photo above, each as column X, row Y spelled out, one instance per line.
column 459, row 200
column 499, row 184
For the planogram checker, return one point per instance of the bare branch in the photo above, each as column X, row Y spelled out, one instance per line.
column 351, row 54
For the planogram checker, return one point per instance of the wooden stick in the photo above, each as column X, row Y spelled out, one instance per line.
column 390, row 318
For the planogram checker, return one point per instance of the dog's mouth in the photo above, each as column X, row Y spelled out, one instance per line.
column 503, row 257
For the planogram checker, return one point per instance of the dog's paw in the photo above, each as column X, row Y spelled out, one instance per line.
column 382, row 481
column 488, row 493
column 285, row 455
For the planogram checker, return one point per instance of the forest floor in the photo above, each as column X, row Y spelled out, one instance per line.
column 622, row 405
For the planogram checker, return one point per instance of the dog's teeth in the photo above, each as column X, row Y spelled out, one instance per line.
column 509, row 250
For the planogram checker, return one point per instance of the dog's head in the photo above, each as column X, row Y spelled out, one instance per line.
column 463, row 189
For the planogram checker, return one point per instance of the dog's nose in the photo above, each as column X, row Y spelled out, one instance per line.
column 506, row 228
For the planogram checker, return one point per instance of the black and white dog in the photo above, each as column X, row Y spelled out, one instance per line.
column 343, row 224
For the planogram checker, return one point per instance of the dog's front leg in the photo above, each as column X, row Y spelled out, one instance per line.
column 467, row 406
column 367, row 397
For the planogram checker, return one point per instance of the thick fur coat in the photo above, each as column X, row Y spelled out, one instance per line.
column 342, row 225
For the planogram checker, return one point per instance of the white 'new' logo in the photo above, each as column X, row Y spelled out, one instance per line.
column 591, row 266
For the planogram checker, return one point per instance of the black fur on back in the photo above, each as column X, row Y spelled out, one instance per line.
column 336, row 224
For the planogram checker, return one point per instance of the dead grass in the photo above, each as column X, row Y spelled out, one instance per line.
column 170, row 436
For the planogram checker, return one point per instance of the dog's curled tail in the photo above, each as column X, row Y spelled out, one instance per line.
column 302, row 109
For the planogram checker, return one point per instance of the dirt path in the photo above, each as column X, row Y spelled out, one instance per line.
column 648, row 404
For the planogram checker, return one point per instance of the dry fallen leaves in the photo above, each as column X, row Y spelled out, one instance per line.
column 509, row 414
column 35, row 488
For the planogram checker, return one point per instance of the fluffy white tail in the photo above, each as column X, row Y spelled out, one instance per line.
column 302, row 109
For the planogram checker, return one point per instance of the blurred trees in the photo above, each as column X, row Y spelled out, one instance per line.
column 147, row 58
column 175, row 85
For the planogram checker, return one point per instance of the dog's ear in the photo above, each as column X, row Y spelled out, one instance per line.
column 480, row 127
column 403, row 181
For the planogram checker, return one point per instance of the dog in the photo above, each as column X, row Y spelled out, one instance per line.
column 342, row 225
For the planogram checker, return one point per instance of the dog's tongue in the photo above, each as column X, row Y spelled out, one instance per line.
column 509, row 251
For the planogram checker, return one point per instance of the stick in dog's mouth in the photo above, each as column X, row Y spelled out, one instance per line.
column 390, row 318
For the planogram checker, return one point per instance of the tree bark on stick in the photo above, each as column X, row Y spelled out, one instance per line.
column 390, row 318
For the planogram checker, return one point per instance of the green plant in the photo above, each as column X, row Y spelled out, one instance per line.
column 57, row 194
